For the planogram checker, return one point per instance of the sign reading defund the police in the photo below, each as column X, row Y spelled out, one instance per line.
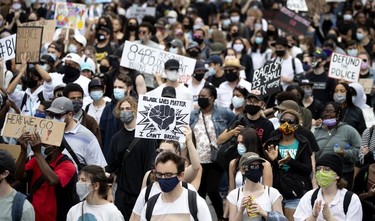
column 344, row 67
column 51, row 132
column 151, row 60
column 162, row 118
column 267, row 78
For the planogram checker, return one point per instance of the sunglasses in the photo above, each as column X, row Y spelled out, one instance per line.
column 290, row 121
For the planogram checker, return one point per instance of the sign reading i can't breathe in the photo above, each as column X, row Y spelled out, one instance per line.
column 344, row 67
column 162, row 118
column 29, row 41
column 51, row 132
column 267, row 78
column 151, row 60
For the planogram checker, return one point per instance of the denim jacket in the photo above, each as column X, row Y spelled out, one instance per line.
column 221, row 117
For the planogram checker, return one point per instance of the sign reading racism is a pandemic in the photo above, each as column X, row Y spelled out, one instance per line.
column 151, row 60
column 267, row 78
column 29, row 41
column 50, row 132
column 344, row 67
column 162, row 118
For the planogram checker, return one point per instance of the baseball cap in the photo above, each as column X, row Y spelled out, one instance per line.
column 48, row 59
column 80, row 39
column 193, row 44
column 73, row 57
column 306, row 82
column 61, row 105
column 172, row 64
column 172, row 14
column 281, row 41
column 249, row 157
column 217, row 48
column 86, row 66
column 287, row 104
column 320, row 54
column 256, row 94
column 161, row 23
column 199, row 66
column 7, row 161
column 216, row 59
column 177, row 43
column 96, row 82
column 169, row 92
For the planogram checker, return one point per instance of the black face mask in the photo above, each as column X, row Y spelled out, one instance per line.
column 30, row 83
column 193, row 53
column 187, row 27
column 254, row 175
column 280, row 53
column 103, row 69
column 231, row 76
column 203, row 102
column 252, row 109
column 70, row 74
column 199, row 77
column 198, row 40
column 100, row 37
column 132, row 27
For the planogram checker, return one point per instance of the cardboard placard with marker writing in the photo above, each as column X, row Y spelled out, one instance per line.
column 51, row 132
column 29, row 41
column 48, row 28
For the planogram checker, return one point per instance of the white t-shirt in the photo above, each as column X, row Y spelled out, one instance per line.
column 6, row 203
column 95, row 112
column 225, row 92
column 266, row 200
column 105, row 212
column 287, row 69
column 336, row 207
column 178, row 209
column 259, row 59
column 195, row 89
column 140, row 203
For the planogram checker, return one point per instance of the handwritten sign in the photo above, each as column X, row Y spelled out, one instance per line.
column 290, row 21
column 296, row 5
column 151, row 60
column 162, row 118
column 70, row 15
column 14, row 150
column 51, row 132
column 267, row 78
column 7, row 47
column 48, row 28
column 344, row 67
column 366, row 84
column 140, row 12
column 29, row 41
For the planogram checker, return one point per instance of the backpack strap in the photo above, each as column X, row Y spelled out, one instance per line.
column 129, row 149
column 150, row 206
column 87, row 108
column 185, row 185
column 193, row 208
column 23, row 103
column 148, row 190
column 238, row 193
column 294, row 66
column 66, row 145
column 347, row 199
column 41, row 97
column 314, row 196
column 17, row 206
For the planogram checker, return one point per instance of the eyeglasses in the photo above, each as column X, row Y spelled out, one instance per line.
column 165, row 175
column 290, row 121
column 364, row 60
column 142, row 32
column 56, row 116
column 231, row 71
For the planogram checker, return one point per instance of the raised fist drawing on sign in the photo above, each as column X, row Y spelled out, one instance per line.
column 163, row 117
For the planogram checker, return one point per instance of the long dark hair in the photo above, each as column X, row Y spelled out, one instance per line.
column 263, row 46
column 96, row 174
column 349, row 93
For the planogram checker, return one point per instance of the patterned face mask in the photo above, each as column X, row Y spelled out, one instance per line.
column 325, row 178
column 287, row 129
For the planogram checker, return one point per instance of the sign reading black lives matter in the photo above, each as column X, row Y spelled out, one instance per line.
column 151, row 60
column 29, row 41
column 162, row 118
column 344, row 67
column 267, row 78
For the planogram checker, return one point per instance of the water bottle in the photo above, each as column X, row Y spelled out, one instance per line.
column 347, row 147
column 336, row 148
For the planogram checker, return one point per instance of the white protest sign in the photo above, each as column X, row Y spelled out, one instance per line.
column 151, row 60
column 297, row 5
column 344, row 67
column 162, row 118
column 366, row 84
column 140, row 12
column 335, row 1
column 7, row 47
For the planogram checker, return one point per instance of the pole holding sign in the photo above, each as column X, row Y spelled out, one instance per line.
column 51, row 132
column 344, row 67
column 151, row 60
column 162, row 118
column 267, row 78
column 7, row 47
column 29, row 41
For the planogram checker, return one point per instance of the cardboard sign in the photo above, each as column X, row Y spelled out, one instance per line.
column 297, row 5
column 7, row 47
column 151, row 60
column 344, row 67
column 29, row 41
column 48, row 28
column 162, row 118
column 14, row 150
column 140, row 12
column 51, row 132
column 292, row 22
column 366, row 84
column 70, row 15
column 267, row 78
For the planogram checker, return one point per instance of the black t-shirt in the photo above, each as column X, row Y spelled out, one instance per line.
column 323, row 86
column 316, row 109
column 103, row 52
column 262, row 125
column 216, row 81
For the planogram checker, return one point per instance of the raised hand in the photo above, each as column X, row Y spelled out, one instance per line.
column 286, row 159
column 272, row 152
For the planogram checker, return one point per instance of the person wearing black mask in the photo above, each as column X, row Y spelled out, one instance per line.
column 207, row 123
column 199, row 36
column 232, row 70
column 197, row 82
column 103, row 46
column 131, row 30
column 193, row 50
column 28, row 101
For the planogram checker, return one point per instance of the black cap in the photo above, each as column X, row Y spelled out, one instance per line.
column 332, row 161
column 96, row 83
column 169, row 92
column 281, row 41
column 199, row 66
column 320, row 54
column 7, row 162
column 46, row 58
column 172, row 64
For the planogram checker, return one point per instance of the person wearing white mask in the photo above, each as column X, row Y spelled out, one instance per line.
column 238, row 100
column 92, row 187
column 352, row 48
column 245, row 60
column 172, row 17
column 363, row 39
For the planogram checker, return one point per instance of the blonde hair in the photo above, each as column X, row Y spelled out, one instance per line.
column 130, row 100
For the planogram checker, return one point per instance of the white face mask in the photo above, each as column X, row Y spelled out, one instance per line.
column 83, row 190
column 238, row 101
column 173, row 50
column 72, row 48
column 235, row 19
column 347, row 17
column 352, row 52
column 172, row 21
column 172, row 75
column 238, row 47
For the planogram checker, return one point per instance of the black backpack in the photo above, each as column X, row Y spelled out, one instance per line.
column 347, row 199
column 149, row 187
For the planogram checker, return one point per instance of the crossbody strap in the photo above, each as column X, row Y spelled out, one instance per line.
column 129, row 149
column 205, row 127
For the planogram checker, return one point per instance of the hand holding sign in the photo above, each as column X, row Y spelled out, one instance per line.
column 163, row 116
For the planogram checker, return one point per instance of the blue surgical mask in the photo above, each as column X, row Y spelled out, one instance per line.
column 173, row 50
column 118, row 93
column 258, row 40
column 40, row 115
column 211, row 71
column 168, row 184
column 360, row 36
column 53, row 56
column 42, row 151
column 96, row 95
column 241, row 149
column 238, row 101
column 352, row 52
column 72, row 48
column 45, row 67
